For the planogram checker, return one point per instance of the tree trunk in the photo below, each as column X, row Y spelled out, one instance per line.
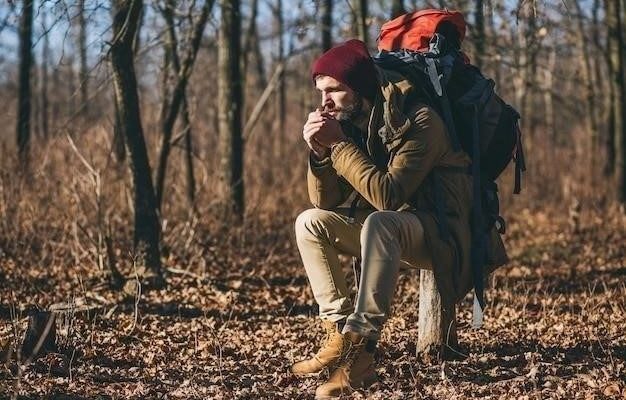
column 261, row 80
column 493, row 45
column 436, row 323
column 279, row 138
column 531, row 68
column 40, row 336
column 548, row 90
column 45, row 60
column 119, row 149
column 24, row 98
column 479, row 41
column 147, row 229
column 523, row 80
column 82, row 46
column 361, row 15
column 326, row 24
column 189, row 173
column 55, row 106
column 591, row 118
column 621, row 45
column 229, row 106
column 182, row 72
column 621, row 89
column 397, row 8
column 603, row 93
column 519, row 78
column 614, row 53
column 248, row 42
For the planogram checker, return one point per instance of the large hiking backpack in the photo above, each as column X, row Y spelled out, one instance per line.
column 425, row 47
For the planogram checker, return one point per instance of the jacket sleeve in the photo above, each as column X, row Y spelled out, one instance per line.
column 326, row 189
column 420, row 149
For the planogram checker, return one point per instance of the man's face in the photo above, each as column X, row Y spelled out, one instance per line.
column 338, row 99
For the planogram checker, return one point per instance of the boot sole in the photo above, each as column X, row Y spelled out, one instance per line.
column 328, row 368
column 307, row 375
column 365, row 383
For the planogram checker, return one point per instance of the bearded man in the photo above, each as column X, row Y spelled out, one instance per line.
column 380, row 166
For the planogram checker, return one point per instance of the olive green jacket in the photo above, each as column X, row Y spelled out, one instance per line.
column 406, row 141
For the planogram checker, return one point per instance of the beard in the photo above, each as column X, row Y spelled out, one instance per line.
column 351, row 112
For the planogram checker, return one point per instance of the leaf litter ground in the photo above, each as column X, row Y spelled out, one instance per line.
column 230, row 324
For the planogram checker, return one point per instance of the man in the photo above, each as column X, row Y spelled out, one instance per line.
column 379, row 158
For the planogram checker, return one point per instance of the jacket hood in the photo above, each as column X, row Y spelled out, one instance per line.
column 389, row 119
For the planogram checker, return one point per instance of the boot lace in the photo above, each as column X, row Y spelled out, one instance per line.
column 351, row 353
column 326, row 341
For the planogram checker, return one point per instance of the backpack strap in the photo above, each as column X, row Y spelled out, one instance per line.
column 520, row 162
column 478, row 232
column 444, row 102
column 435, row 51
column 447, row 116
column 352, row 210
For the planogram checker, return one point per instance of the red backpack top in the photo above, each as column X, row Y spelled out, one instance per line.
column 413, row 31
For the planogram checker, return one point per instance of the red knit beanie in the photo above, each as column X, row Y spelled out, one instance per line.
column 350, row 63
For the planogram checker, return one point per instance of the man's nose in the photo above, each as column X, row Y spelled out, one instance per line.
column 326, row 100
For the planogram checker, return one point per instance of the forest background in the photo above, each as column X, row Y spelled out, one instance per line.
column 154, row 210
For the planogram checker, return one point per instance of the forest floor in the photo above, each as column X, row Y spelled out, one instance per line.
column 229, row 325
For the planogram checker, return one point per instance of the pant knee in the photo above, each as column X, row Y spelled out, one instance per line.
column 311, row 222
column 378, row 224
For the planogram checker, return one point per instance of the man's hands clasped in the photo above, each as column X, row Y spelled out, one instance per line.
column 322, row 130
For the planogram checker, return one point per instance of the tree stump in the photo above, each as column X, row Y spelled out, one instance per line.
column 40, row 335
column 437, row 336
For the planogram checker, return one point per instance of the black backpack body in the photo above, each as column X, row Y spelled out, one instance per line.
column 478, row 121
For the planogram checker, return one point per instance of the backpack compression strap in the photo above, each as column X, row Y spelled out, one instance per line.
column 478, row 230
column 520, row 162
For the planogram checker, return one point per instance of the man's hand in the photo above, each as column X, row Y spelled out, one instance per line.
column 330, row 132
column 321, row 131
column 311, row 127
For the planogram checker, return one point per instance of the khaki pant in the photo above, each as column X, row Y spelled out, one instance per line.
column 383, row 239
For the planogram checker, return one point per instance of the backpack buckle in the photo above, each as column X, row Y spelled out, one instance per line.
column 435, row 45
column 500, row 225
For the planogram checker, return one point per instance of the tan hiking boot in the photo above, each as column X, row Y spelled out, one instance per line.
column 354, row 371
column 326, row 356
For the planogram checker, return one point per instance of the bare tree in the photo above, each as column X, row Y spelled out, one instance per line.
column 44, row 116
column 188, row 146
column 119, row 148
column 622, row 67
column 229, row 104
column 326, row 24
column 527, row 48
column 361, row 15
column 397, row 8
column 182, row 70
column 616, row 14
column 251, row 47
column 548, row 98
column 24, row 96
column 614, row 62
column 479, row 34
column 249, row 38
column 280, row 89
column 126, row 14
column 585, row 57
column 82, row 49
